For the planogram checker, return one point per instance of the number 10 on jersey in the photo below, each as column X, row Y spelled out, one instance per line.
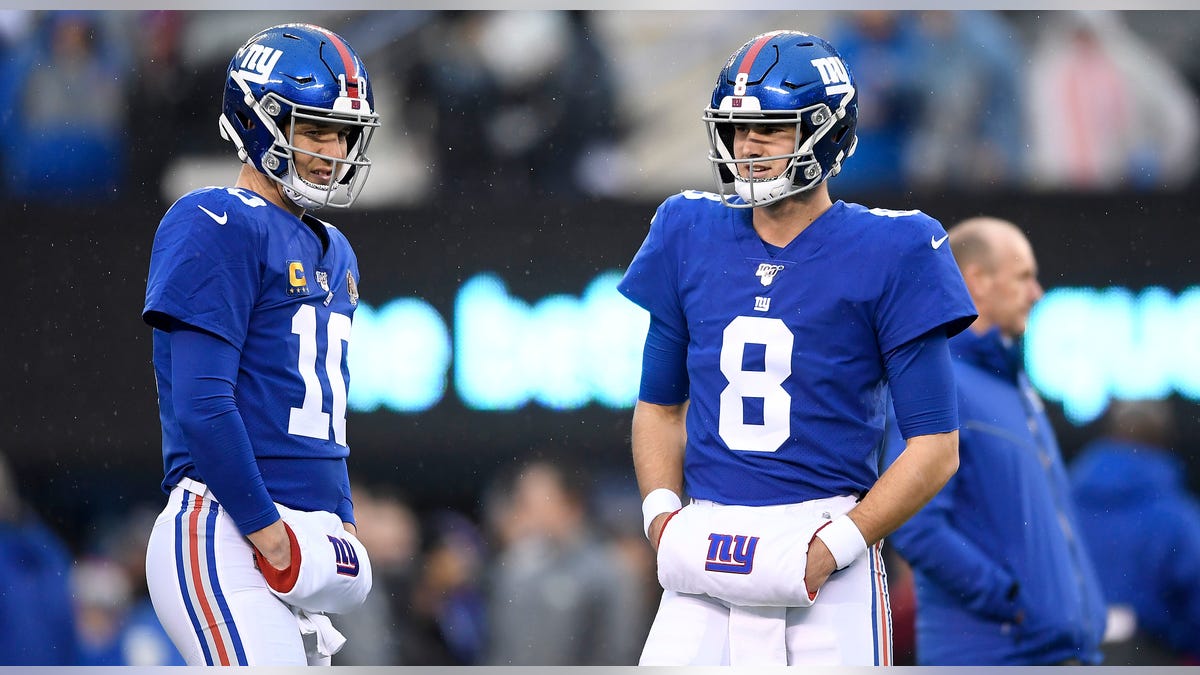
column 309, row 419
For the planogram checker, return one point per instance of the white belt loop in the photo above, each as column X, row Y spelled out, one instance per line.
column 193, row 486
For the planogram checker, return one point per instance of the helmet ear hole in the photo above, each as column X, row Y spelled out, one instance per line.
column 725, row 135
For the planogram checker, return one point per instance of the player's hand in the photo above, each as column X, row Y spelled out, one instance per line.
column 656, row 527
column 281, row 578
column 273, row 545
column 349, row 527
column 819, row 566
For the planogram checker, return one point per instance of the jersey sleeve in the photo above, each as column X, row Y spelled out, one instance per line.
column 921, row 378
column 925, row 289
column 652, row 278
column 203, row 272
column 664, row 368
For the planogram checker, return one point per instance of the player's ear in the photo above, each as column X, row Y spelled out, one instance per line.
column 977, row 277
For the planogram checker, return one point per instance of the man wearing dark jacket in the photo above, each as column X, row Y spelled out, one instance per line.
column 1000, row 573
column 1143, row 528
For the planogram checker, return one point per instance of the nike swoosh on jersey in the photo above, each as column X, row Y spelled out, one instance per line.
column 936, row 243
column 224, row 217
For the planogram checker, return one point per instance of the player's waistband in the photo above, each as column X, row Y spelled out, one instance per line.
column 193, row 486
column 826, row 507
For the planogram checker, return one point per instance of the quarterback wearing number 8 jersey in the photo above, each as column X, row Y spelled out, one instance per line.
column 251, row 299
column 782, row 323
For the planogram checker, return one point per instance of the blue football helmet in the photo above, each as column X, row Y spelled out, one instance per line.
column 782, row 77
column 297, row 72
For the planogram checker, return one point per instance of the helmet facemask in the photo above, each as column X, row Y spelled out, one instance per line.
column 802, row 173
column 348, row 173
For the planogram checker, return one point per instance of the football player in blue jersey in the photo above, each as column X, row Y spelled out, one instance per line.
column 780, row 321
column 251, row 300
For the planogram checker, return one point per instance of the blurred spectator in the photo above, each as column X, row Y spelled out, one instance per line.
column 388, row 530
column 1173, row 35
column 618, row 508
column 882, row 46
column 558, row 595
column 1143, row 529
column 37, row 620
column 968, row 133
column 447, row 626
column 15, row 25
column 902, row 601
column 1000, row 574
column 101, row 594
column 134, row 637
column 521, row 103
column 170, row 100
column 63, row 108
column 1105, row 110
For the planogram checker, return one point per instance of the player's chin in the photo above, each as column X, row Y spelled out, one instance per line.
column 318, row 181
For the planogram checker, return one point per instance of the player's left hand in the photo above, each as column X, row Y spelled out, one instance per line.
column 819, row 566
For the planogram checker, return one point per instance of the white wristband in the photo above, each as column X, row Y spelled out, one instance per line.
column 659, row 501
column 844, row 540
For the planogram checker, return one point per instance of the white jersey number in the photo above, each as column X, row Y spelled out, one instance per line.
column 309, row 420
column 766, row 384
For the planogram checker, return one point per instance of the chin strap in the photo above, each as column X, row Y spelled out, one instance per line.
column 227, row 132
column 301, row 199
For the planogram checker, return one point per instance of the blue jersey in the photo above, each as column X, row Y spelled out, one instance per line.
column 787, row 384
column 229, row 262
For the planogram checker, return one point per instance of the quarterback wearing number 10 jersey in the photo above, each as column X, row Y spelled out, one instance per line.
column 786, row 387
column 230, row 263
column 251, row 299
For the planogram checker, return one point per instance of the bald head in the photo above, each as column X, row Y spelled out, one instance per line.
column 999, row 267
column 975, row 240
column 1150, row 421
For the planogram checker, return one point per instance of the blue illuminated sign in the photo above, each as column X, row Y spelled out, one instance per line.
column 562, row 352
column 1087, row 346
column 1083, row 347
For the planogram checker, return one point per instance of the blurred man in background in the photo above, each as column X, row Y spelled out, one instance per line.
column 37, row 619
column 1142, row 527
column 1001, row 575
column 558, row 594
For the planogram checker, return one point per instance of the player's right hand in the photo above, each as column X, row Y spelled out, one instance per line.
column 819, row 566
column 282, row 579
column 330, row 569
column 273, row 544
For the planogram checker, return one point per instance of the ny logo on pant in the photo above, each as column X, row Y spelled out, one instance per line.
column 345, row 555
column 730, row 553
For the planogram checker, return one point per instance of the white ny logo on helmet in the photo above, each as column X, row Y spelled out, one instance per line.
column 257, row 62
column 834, row 75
